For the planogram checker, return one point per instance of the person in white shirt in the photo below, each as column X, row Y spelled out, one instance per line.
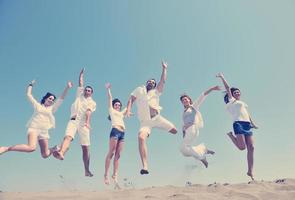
column 148, row 111
column 116, row 142
column 39, row 124
column 81, row 111
column 242, row 123
column 192, row 122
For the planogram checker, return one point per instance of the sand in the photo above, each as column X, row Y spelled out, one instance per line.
column 281, row 189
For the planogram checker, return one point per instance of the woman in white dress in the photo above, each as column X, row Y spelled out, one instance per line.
column 39, row 124
column 192, row 122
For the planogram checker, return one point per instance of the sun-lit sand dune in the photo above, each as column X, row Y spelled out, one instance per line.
column 281, row 189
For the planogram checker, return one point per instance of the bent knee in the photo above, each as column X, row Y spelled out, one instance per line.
column 173, row 131
column 241, row 147
column 142, row 137
column 32, row 148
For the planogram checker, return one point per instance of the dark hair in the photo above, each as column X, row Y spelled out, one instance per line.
column 113, row 103
column 225, row 98
column 48, row 94
column 90, row 88
column 185, row 95
column 152, row 79
column 116, row 101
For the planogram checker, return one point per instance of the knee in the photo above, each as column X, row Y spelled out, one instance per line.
column 250, row 147
column 110, row 155
column 117, row 156
column 141, row 138
column 173, row 131
column 242, row 147
column 44, row 155
column 32, row 148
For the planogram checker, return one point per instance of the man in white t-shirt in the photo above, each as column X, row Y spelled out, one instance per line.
column 81, row 111
column 148, row 112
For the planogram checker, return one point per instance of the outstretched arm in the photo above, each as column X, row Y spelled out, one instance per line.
column 61, row 98
column 201, row 98
column 212, row 89
column 29, row 93
column 129, row 105
column 220, row 75
column 81, row 78
column 65, row 92
column 160, row 86
column 109, row 94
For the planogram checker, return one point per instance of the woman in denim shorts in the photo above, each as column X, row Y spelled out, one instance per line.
column 116, row 143
column 242, row 123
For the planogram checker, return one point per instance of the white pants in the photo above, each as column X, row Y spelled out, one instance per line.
column 187, row 148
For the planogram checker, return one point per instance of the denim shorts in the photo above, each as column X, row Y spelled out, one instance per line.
column 241, row 127
column 117, row 134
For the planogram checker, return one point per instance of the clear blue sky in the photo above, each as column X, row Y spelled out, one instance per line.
column 123, row 42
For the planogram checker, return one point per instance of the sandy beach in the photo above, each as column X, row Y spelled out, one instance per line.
column 280, row 189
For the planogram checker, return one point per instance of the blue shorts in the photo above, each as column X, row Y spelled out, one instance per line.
column 117, row 134
column 241, row 127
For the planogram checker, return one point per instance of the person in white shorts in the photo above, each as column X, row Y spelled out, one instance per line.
column 117, row 136
column 81, row 111
column 148, row 111
column 192, row 122
column 242, row 123
column 39, row 124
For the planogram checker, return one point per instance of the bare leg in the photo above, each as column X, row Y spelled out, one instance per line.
column 205, row 162
column 119, row 148
column 64, row 147
column 45, row 151
column 112, row 148
column 250, row 155
column 238, row 140
column 86, row 160
column 30, row 147
column 143, row 151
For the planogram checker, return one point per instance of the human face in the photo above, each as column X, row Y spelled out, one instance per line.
column 150, row 84
column 117, row 106
column 185, row 101
column 87, row 92
column 237, row 94
column 49, row 101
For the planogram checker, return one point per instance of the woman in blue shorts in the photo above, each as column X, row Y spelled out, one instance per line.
column 242, row 125
column 116, row 115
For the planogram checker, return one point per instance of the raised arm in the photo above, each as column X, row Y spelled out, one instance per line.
column 201, row 98
column 160, row 86
column 29, row 93
column 62, row 97
column 81, row 78
column 220, row 75
column 65, row 92
column 109, row 94
column 129, row 105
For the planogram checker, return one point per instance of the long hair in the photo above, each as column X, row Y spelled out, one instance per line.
column 48, row 94
column 225, row 98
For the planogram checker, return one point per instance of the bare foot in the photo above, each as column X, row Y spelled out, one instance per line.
column 3, row 150
column 251, row 175
column 58, row 155
column 88, row 173
column 204, row 161
column 210, row 152
column 106, row 180
column 115, row 178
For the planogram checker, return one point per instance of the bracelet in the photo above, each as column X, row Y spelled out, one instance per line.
column 31, row 84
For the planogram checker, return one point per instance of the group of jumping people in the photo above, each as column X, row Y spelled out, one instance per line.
column 147, row 98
